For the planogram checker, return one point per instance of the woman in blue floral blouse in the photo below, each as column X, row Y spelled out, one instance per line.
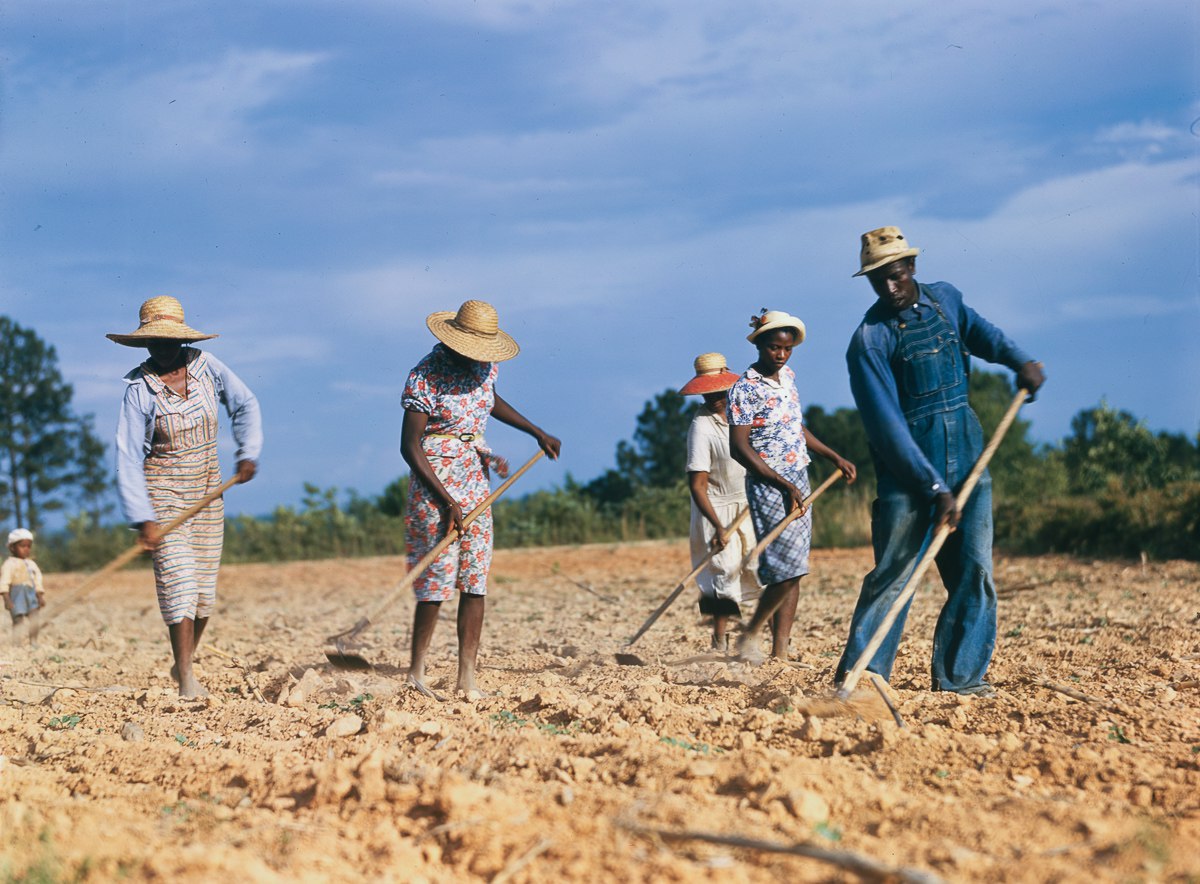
column 768, row 437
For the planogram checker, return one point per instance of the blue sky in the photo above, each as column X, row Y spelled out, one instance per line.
column 626, row 181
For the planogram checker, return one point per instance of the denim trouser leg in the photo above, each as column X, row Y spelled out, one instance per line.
column 899, row 529
column 966, row 629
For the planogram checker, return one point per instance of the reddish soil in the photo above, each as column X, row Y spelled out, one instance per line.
column 563, row 775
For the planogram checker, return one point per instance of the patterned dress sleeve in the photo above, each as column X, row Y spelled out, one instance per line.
column 418, row 394
column 742, row 405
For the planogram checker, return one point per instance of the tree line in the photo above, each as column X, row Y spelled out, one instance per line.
column 1111, row 488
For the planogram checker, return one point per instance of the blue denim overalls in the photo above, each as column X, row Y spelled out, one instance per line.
column 931, row 368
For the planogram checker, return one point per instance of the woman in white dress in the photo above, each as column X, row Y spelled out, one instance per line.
column 718, row 486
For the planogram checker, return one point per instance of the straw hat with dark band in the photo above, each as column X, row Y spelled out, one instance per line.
column 160, row 319
column 773, row 319
column 883, row 245
column 712, row 376
column 474, row 331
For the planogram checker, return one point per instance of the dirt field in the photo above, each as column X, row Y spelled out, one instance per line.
column 565, row 773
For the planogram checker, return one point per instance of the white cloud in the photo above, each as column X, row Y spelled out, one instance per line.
column 96, row 123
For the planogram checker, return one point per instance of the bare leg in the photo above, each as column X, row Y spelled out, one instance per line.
column 782, row 620
column 183, row 643
column 773, row 597
column 19, row 629
column 470, row 627
column 720, row 638
column 425, row 619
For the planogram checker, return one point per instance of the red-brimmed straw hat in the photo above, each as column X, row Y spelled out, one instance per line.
column 160, row 319
column 712, row 376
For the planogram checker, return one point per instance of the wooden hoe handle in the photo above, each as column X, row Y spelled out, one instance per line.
column 93, row 579
column 419, row 568
column 725, row 537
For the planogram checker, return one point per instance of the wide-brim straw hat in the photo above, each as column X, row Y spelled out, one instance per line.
column 160, row 319
column 712, row 376
column 883, row 245
column 773, row 319
column 474, row 331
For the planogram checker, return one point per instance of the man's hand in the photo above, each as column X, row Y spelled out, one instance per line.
column 246, row 470
column 1031, row 377
column 148, row 535
column 717, row 543
column 945, row 511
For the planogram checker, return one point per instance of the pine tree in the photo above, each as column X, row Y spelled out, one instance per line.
column 46, row 450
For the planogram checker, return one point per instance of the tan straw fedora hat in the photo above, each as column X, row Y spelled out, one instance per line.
column 883, row 245
column 712, row 376
column 160, row 318
column 770, row 320
column 474, row 331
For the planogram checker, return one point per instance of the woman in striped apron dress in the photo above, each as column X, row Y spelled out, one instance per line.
column 447, row 400
column 167, row 460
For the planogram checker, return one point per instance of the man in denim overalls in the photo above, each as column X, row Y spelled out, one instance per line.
column 909, row 361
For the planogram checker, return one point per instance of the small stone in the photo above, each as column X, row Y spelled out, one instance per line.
column 581, row 767
column 430, row 728
column 701, row 770
column 1022, row 780
column 346, row 726
column 811, row 730
column 300, row 692
column 566, row 796
column 393, row 720
column 807, row 806
column 746, row 740
column 131, row 732
column 1141, row 796
column 1009, row 742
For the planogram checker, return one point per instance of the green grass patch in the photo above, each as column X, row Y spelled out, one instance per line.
column 64, row 722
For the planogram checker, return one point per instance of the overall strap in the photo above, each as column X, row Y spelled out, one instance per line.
column 962, row 345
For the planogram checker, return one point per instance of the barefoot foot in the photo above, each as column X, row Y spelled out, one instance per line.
column 420, row 687
column 749, row 652
column 190, row 689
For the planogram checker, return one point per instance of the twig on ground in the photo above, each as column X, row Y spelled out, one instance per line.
column 1065, row 690
column 448, row 827
column 247, row 675
column 109, row 689
column 586, row 588
column 1010, row 591
column 863, row 866
column 522, row 861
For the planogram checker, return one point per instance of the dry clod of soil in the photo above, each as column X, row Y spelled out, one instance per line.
column 586, row 751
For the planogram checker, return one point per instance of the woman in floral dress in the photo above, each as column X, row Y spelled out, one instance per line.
column 768, row 437
column 447, row 400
